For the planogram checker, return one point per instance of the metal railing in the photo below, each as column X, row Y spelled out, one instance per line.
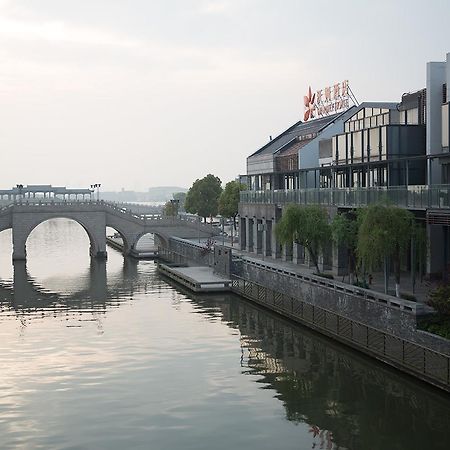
column 427, row 364
column 413, row 197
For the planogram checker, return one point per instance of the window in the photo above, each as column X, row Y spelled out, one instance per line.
column 383, row 143
column 342, row 148
column 445, row 125
column 374, row 144
column 412, row 116
column 357, row 146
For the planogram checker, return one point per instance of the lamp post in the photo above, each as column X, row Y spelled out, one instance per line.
column 96, row 186
column 20, row 188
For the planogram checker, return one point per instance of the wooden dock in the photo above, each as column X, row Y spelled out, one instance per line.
column 197, row 279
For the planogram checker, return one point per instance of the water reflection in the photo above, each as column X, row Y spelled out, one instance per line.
column 347, row 400
column 163, row 368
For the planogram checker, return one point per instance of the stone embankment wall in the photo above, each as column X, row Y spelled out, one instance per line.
column 385, row 313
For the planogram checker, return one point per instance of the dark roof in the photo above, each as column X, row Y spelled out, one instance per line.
column 302, row 129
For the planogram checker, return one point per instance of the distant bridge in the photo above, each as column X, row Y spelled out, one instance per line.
column 95, row 217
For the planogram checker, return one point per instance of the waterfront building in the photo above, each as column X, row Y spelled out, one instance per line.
column 352, row 157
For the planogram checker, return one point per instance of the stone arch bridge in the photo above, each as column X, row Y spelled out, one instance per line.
column 94, row 217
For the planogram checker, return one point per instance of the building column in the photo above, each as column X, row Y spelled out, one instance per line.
column 242, row 233
column 267, row 235
column 340, row 260
column 275, row 250
column 257, row 244
column 249, row 234
column 298, row 253
column 286, row 253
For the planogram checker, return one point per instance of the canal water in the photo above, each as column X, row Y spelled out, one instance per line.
column 112, row 356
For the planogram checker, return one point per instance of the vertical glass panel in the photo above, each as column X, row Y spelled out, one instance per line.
column 412, row 116
column 357, row 146
column 373, row 121
column 380, row 119
column 342, row 148
column 383, row 143
column 402, row 118
column 445, row 125
column 374, row 143
column 367, row 122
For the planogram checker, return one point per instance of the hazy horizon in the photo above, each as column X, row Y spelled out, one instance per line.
column 138, row 94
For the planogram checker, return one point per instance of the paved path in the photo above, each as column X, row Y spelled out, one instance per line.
column 421, row 291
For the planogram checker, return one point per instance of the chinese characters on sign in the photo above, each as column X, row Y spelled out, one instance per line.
column 326, row 101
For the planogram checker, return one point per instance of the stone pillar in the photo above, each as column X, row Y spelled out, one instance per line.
column 286, row 254
column 242, row 233
column 339, row 260
column 256, row 236
column 298, row 253
column 276, row 250
column 435, row 257
column 267, row 235
column 249, row 232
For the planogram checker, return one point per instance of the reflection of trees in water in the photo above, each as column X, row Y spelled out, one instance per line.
column 345, row 397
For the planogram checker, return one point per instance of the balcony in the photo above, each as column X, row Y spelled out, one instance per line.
column 411, row 197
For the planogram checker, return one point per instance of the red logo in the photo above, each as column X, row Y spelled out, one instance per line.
column 310, row 105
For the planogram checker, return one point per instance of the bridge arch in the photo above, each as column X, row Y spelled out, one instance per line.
column 29, row 222
column 124, row 236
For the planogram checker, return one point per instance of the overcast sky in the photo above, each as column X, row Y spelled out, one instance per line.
column 140, row 93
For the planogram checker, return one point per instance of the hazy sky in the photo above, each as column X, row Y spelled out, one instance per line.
column 140, row 93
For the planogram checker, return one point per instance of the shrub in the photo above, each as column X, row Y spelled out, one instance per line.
column 440, row 299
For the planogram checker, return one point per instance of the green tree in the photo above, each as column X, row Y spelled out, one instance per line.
column 384, row 233
column 203, row 196
column 344, row 229
column 181, row 197
column 307, row 226
column 229, row 200
column 170, row 208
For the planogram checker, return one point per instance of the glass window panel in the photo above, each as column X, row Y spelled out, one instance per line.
column 373, row 121
column 367, row 122
column 445, row 125
column 402, row 118
column 360, row 114
column 383, row 143
column 376, row 111
column 380, row 120
column 386, row 119
column 342, row 148
column 412, row 116
column 357, row 146
column 368, row 112
column 374, row 143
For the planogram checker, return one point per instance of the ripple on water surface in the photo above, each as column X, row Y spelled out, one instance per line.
column 110, row 355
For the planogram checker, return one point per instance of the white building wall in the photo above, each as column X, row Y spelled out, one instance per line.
column 437, row 75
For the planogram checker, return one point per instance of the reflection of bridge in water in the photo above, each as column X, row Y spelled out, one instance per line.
column 95, row 217
column 25, row 295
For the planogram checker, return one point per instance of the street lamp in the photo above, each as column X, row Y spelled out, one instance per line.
column 20, row 187
column 96, row 186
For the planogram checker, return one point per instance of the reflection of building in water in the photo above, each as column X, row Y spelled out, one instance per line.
column 348, row 400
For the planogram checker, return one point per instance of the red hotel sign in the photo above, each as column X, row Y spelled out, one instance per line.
column 326, row 101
